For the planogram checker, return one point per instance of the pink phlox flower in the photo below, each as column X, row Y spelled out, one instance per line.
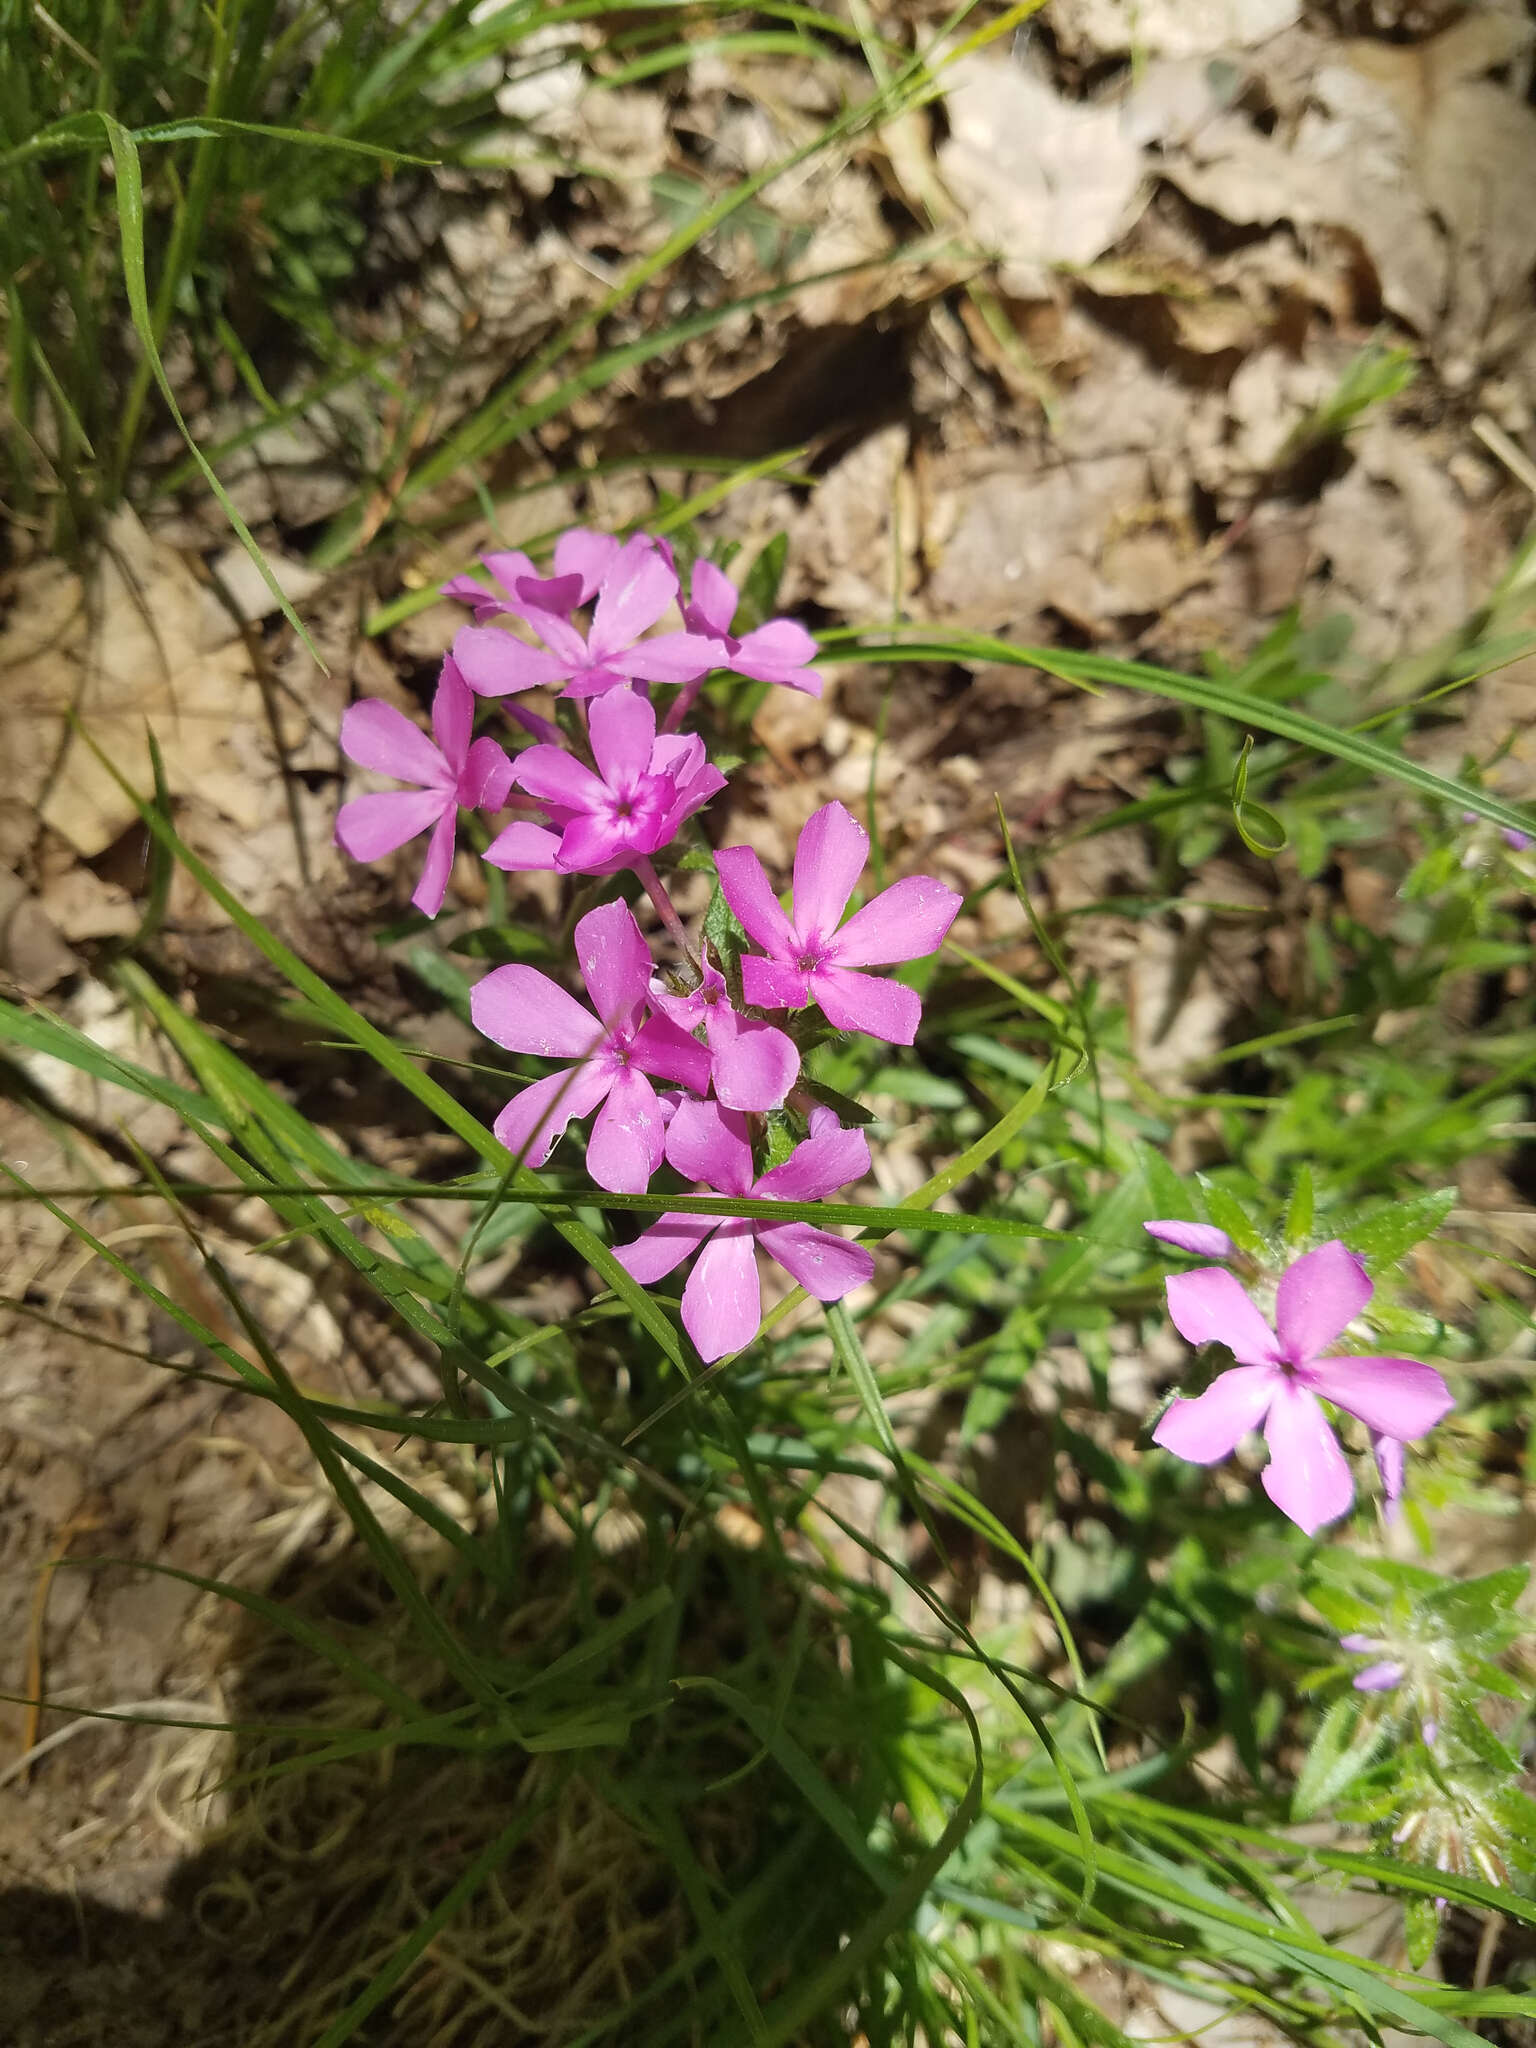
column 810, row 957
column 451, row 769
column 582, row 558
column 1203, row 1239
column 615, row 1052
column 754, row 1065
column 633, row 589
column 1281, row 1373
column 722, row 1301
column 1381, row 1676
column 632, row 805
column 776, row 652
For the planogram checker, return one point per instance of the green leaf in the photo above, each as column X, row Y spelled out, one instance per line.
column 1298, row 1216
column 1342, row 1749
column 1383, row 1234
column 1229, row 1215
column 1257, row 826
column 1421, row 1927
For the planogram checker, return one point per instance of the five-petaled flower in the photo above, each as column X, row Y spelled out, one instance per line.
column 635, row 588
column 722, row 1300
column 753, row 1063
column 457, row 770
column 615, row 1052
column 643, row 789
column 811, row 958
column 1281, row 1373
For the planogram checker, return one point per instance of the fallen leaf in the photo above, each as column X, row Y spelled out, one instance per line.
column 123, row 652
column 1169, row 28
column 1041, row 181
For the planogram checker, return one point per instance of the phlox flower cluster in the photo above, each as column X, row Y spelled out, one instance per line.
column 1285, row 1373
column 696, row 1063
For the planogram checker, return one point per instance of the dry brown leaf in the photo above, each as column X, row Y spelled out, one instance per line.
column 1040, row 181
column 1169, row 28
column 127, row 651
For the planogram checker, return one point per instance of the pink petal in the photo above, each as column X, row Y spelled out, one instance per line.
column 470, row 590
column 433, row 887
column 589, row 681
column 860, row 1002
column 586, row 554
column 636, row 589
column 770, row 985
column 546, row 603
column 552, row 776
column 599, row 846
column 755, row 1065
column 1209, row 1307
column 722, row 1302
column 825, row 1265
column 625, row 1147
column 543, row 729
column 622, row 727
column 705, row 784
column 1382, row 1677
column 669, row 658
column 614, row 960
column 905, row 922
column 660, row 1048
column 486, row 781
column 713, row 598
column 1210, row 1427
column 710, row 1144
column 1307, row 1476
column 678, row 754
column 818, row 1167
column 1203, row 1239
column 495, row 665
column 551, row 620
column 778, row 653
column 535, row 1120
column 745, row 887
column 509, row 566
column 453, row 715
column 522, row 848
column 370, row 826
column 659, row 1250
column 1318, row 1297
column 1398, row 1397
column 686, row 1012
column 829, row 860
column 375, row 735
column 527, row 1012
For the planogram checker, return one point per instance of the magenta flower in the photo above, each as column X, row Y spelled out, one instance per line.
column 754, row 1065
column 1282, row 1372
column 642, row 791
column 722, row 1301
column 636, row 587
column 582, row 558
column 773, row 653
column 809, row 958
column 458, row 769
column 1203, row 1239
column 614, row 1053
